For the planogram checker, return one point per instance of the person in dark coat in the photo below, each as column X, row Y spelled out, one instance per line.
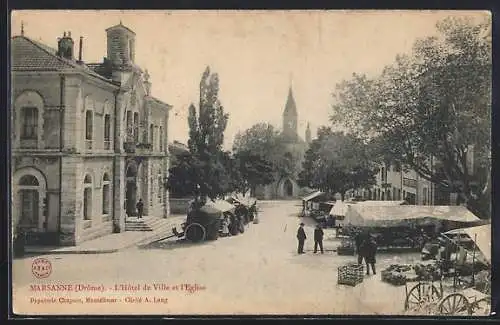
column 301, row 237
column 140, row 208
column 358, row 241
column 318, row 239
column 369, row 249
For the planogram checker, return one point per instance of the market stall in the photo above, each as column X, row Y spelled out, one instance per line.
column 468, row 294
column 407, row 226
column 310, row 203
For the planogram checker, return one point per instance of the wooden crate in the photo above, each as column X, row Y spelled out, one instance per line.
column 350, row 274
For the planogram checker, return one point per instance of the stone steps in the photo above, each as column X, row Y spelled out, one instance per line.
column 162, row 228
column 137, row 225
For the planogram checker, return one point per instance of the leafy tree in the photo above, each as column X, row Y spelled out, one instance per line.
column 430, row 109
column 205, row 171
column 264, row 141
column 251, row 170
column 337, row 162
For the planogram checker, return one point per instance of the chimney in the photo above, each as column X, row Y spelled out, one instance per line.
column 65, row 46
column 80, row 50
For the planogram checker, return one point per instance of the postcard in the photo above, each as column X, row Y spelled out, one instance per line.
column 321, row 162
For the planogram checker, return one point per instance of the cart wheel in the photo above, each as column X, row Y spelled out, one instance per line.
column 482, row 307
column 195, row 232
column 455, row 304
column 421, row 294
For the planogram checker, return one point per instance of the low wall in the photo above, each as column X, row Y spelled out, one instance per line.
column 179, row 206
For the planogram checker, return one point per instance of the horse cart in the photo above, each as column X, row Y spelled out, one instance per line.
column 204, row 223
column 468, row 296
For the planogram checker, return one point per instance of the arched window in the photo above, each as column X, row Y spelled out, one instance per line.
column 136, row 127
column 161, row 138
column 28, row 112
column 106, row 194
column 107, row 132
column 129, row 125
column 87, row 198
column 151, row 190
column 159, row 189
column 29, row 120
column 29, row 196
column 89, row 128
column 151, row 135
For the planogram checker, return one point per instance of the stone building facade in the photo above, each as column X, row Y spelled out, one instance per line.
column 393, row 183
column 88, row 140
column 286, row 187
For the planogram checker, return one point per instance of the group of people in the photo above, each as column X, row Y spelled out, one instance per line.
column 366, row 247
column 318, row 239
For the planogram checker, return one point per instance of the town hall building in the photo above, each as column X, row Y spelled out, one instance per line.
column 88, row 140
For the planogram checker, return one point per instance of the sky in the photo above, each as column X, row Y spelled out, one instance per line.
column 258, row 55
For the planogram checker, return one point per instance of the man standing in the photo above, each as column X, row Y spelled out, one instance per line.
column 358, row 239
column 140, row 208
column 370, row 251
column 301, row 236
column 318, row 238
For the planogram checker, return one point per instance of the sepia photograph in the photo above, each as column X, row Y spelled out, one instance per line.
column 237, row 162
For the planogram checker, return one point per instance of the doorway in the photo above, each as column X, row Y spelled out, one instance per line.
column 288, row 188
column 131, row 190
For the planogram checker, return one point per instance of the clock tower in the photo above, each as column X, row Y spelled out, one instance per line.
column 290, row 118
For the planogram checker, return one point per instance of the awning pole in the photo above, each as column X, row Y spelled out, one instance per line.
column 473, row 258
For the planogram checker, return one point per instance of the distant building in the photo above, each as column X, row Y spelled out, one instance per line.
column 88, row 140
column 395, row 184
column 286, row 186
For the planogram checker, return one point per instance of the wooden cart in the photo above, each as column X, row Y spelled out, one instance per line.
column 465, row 299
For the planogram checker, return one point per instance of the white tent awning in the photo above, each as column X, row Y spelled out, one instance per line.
column 480, row 234
column 339, row 209
column 382, row 203
column 218, row 206
column 390, row 216
column 312, row 196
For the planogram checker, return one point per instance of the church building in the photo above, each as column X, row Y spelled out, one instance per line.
column 88, row 140
column 285, row 186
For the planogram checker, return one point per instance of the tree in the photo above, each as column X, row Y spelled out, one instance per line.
column 431, row 108
column 206, row 168
column 264, row 141
column 337, row 162
column 251, row 170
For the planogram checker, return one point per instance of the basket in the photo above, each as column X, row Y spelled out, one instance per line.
column 350, row 274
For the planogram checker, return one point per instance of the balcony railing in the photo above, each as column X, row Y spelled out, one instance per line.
column 107, row 144
column 88, row 144
column 409, row 182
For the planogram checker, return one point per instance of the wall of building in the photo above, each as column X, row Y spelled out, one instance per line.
column 179, row 206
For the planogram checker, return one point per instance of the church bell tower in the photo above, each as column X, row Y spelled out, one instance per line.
column 290, row 118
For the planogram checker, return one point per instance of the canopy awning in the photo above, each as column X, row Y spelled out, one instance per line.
column 218, row 206
column 312, row 196
column 248, row 201
column 339, row 209
column 400, row 215
column 481, row 235
column 382, row 203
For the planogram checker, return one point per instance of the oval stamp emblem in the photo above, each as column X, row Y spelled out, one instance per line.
column 41, row 268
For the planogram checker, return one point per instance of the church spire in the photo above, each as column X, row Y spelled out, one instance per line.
column 290, row 118
column 290, row 107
